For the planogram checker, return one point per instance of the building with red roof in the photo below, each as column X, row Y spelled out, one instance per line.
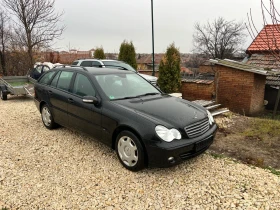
column 266, row 41
column 265, row 48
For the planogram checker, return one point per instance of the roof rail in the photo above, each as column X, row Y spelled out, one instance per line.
column 84, row 68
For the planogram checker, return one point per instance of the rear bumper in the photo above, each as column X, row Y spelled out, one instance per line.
column 163, row 154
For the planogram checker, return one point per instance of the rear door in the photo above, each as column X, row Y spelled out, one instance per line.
column 84, row 116
column 42, row 87
column 59, row 93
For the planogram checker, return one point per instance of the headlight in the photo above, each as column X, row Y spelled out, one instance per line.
column 167, row 134
column 211, row 119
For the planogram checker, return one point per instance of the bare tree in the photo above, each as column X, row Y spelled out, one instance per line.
column 4, row 36
column 195, row 60
column 220, row 39
column 37, row 23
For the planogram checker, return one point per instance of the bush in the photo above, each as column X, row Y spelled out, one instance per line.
column 169, row 70
column 99, row 53
column 127, row 54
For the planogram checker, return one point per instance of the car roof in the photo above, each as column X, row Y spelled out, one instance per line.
column 94, row 59
column 112, row 60
column 86, row 59
column 95, row 71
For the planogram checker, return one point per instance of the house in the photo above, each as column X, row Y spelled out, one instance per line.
column 145, row 62
column 237, row 86
column 185, row 70
column 264, row 52
column 265, row 48
column 65, row 57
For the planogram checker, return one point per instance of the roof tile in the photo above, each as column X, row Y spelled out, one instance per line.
column 268, row 39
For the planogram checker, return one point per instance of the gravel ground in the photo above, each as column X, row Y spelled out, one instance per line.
column 62, row 169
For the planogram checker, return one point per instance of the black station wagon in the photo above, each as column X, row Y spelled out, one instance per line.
column 124, row 111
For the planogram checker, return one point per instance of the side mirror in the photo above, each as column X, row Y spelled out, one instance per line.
column 91, row 100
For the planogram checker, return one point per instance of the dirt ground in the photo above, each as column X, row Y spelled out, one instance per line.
column 232, row 140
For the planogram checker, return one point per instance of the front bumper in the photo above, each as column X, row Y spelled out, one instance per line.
column 166, row 154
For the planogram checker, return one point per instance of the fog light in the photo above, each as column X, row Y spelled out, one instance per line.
column 171, row 160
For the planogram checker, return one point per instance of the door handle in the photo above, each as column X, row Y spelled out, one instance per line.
column 70, row 100
column 50, row 92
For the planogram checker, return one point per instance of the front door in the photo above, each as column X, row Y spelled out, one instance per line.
column 84, row 116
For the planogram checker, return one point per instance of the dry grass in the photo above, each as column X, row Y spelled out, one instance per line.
column 263, row 129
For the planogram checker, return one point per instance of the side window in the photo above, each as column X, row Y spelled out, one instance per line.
column 46, row 77
column 46, row 68
column 75, row 63
column 96, row 64
column 39, row 69
column 82, row 86
column 55, row 79
column 86, row 63
column 64, row 80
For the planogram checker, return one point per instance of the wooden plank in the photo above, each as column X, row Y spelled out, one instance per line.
column 220, row 111
column 204, row 102
column 213, row 106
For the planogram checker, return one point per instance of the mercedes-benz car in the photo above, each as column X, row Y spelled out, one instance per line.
column 121, row 109
column 112, row 64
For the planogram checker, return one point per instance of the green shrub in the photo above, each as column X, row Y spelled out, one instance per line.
column 169, row 70
column 127, row 54
column 99, row 53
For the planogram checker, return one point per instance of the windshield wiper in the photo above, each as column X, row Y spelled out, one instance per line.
column 127, row 97
column 130, row 97
column 148, row 94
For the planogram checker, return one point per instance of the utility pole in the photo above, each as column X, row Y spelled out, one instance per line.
column 152, row 7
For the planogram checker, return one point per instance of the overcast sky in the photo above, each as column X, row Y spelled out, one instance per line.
column 92, row 23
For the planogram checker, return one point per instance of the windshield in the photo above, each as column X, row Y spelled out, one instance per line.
column 116, row 64
column 123, row 86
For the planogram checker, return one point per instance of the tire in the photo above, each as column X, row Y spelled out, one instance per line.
column 3, row 95
column 47, row 117
column 130, row 151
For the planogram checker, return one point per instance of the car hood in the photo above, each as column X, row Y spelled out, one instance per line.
column 148, row 77
column 165, row 110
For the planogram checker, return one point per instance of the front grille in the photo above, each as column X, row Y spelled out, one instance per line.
column 197, row 128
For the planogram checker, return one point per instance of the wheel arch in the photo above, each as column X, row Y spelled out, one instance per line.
column 128, row 128
column 42, row 103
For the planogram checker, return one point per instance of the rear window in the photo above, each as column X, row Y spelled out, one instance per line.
column 75, row 63
column 46, row 77
column 118, row 65
column 64, row 80
column 86, row 63
column 91, row 64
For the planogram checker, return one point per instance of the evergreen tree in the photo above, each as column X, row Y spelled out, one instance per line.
column 127, row 54
column 169, row 70
column 99, row 53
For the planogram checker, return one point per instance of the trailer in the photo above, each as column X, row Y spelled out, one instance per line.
column 16, row 85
